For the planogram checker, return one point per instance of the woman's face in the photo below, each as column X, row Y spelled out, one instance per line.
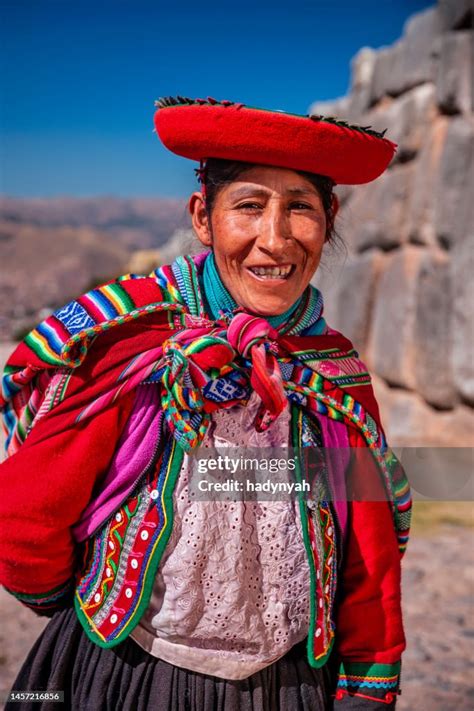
column 267, row 231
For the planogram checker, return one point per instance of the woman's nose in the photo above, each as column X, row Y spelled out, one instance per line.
column 274, row 229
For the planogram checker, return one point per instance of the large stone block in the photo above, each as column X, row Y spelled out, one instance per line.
column 455, row 14
column 421, row 207
column 406, row 119
column 349, row 294
column 411, row 60
column 463, row 318
column 362, row 70
column 327, row 279
column 432, row 336
column 376, row 214
column 385, row 60
column 454, row 185
column 391, row 351
column 410, row 422
column 455, row 73
column 356, row 297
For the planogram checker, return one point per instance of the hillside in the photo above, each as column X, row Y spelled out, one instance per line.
column 51, row 250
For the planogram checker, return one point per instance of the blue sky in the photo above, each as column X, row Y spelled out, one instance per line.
column 78, row 79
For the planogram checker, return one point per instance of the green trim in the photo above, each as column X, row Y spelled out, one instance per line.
column 295, row 415
column 174, row 464
column 369, row 669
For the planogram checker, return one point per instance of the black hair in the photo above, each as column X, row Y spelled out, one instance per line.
column 217, row 173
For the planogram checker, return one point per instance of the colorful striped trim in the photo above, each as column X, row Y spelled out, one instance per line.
column 97, row 618
column 394, row 477
column 367, row 675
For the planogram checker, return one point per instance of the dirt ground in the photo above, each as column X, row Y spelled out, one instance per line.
column 438, row 597
column 438, row 587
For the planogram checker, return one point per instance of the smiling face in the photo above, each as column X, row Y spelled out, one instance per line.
column 267, row 229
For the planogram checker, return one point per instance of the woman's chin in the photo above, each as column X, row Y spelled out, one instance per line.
column 269, row 307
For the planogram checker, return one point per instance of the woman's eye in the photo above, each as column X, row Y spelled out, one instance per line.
column 249, row 206
column 300, row 206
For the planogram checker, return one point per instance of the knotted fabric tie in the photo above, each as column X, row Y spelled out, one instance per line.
column 199, row 370
column 255, row 340
column 198, row 378
column 201, row 374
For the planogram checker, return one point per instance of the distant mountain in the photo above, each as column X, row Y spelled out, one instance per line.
column 52, row 250
column 135, row 223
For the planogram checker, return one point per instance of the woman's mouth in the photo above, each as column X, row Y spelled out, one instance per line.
column 283, row 271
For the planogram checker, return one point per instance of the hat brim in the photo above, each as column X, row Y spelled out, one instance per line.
column 348, row 155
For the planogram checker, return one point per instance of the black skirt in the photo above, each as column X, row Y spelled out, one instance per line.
column 127, row 677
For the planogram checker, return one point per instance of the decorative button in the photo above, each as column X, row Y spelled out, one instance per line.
column 97, row 597
column 113, row 619
column 118, row 516
column 108, row 571
column 154, row 494
column 320, row 602
column 134, row 563
column 330, row 560
column 128, row 592
column 330, row 531
column 318, row 632
column 144, row 535
column 326, row 589
column 111, row 545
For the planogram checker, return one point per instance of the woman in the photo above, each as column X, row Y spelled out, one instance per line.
column 186, row 604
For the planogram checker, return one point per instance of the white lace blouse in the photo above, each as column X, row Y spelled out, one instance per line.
column 232, row 592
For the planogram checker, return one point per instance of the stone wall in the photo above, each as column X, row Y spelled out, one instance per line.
column 403, row 291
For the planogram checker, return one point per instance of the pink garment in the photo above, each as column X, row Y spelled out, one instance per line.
column 232, row 592
column 336, row 441
column 135, row 451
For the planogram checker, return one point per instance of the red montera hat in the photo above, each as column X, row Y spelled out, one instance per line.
column 206, row 128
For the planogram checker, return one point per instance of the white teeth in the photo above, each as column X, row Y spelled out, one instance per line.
column 271, row 272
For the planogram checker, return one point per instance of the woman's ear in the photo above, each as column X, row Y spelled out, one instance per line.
column 334, row 206
column 200, row 219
